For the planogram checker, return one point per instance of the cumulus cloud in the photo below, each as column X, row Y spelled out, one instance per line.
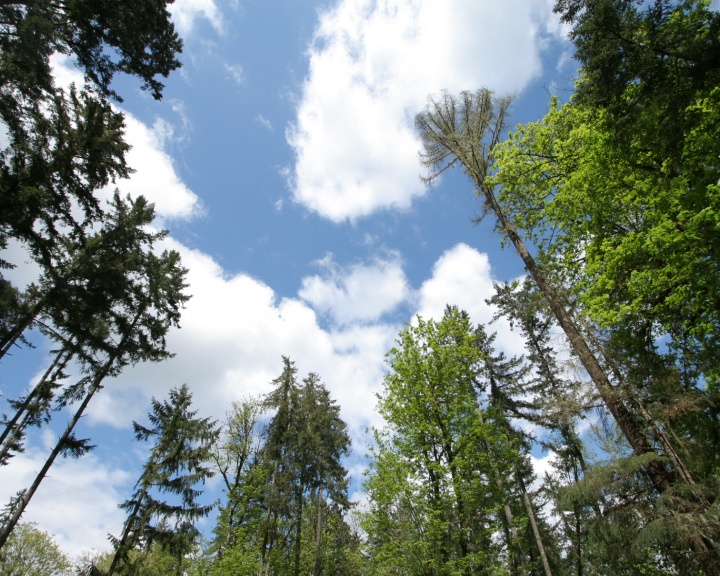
column 372, row 66
column 155, row 176
column 359, row 293
column 462, row 277
column 77, row 501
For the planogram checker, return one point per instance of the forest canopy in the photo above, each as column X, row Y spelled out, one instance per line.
column 611, row 202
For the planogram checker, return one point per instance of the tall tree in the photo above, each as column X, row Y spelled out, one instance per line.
column 178, row 463
column 467, row 131
column 286, row 485
column 236, row 460
column 559, row 401
column 133, row 330
column 638, row 261
column 440, row 485
column 62, row 146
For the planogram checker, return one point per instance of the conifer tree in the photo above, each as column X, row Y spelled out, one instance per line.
column 178, row 463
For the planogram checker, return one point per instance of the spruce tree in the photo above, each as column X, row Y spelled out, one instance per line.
column 178, row 463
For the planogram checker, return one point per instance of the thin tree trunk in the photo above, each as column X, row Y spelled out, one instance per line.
column 14, row 430
column 511, row 533
column 24, row 499
column 7, row 342
column 298, row 531
column 318, row 533
column 119, row 551
column 533, row 523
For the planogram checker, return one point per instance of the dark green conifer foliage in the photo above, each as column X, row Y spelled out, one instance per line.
column 177, row 465
column 305, row 441
column 101, row 297
column 145, row 304
column 286, row 485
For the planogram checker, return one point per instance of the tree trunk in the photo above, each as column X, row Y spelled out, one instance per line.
column 533, row 523
column 298, row 531
column 15, row 428
column 318, row 533
column 28, row 494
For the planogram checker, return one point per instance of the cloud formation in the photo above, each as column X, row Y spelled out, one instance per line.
column 372, row 67
column 186, row 13
column 359, row 293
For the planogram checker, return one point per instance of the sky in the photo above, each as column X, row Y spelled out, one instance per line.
column 284, row 161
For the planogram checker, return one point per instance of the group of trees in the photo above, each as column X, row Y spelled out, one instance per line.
column 285, row 505
column 611, row 202
column 450, row 482
column 287, row 489
column 103, row 297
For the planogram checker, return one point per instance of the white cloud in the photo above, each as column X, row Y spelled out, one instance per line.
column 77, row 501
column 235, row 72
column 359, row 293
column 462, row 277
column 185, row 13
column 155, row 177
column 372, row 66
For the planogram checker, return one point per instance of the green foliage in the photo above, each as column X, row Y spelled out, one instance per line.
column 176, row 466
column 102, row 296
column 446, row 477
column 286, row 488
column 32, row 552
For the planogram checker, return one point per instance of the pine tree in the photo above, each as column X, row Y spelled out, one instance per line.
column 177, row 464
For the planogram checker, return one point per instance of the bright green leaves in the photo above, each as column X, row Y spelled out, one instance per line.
column 638, row 243
column 444, row 478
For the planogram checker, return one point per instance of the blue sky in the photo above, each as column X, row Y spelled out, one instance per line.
column 284, row 162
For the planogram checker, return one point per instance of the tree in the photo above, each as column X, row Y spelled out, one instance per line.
column 72, row 302
column 236, row 459
column 467, row 131
column 65, row 145
column 286, row 485
column 647, row 64
column 557, row 403
column 440, row 484
column 62, row 146
column 636, row 248
column 177, row 464
column 305, row 442
column 131, row 330
column 32, row 552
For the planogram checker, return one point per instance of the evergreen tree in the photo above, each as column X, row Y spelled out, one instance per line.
column 286, row 486
column 132, row 330
column 101, row 296
column 177, row 464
